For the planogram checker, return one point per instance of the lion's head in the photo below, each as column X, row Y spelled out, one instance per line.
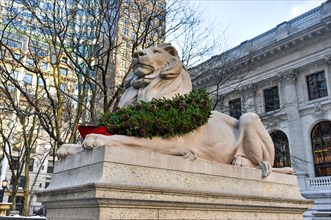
column 152, row 59
column 157, row 72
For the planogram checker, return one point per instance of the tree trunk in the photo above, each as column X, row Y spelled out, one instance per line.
column 26, row 188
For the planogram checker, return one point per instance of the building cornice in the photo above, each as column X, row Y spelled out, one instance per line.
column 287, row 38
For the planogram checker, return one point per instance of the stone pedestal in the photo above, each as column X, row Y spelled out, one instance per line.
column 127, row 183
column 4, row 208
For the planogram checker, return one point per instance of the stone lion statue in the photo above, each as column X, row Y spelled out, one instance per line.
column 157, row 73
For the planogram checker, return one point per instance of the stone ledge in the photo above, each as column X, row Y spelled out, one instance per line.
column 128, row 183
column 137, row 157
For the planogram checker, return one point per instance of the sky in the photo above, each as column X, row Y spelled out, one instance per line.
column 245, row 19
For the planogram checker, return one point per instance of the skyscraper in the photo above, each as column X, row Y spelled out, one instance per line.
column 65, row 55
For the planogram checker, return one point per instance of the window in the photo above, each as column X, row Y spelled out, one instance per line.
column 43, row 66
column 317, row 85
column 31, row 165
column 136, row 5
column 64, row 59
column 12, row 43
column 321, row 146
column 282, row 150
column 93, row 74
column 160, row 5
column 125, row 32
column 135, row 26
column 47, row 182
column 16, row 163
column 133, row 35
column 22, row 181
column 30, row 61
column 2, row 54
column 41, row 82
column 63, row 71
column 126, row 11
column 11, row 88
column 27, row 15
column 14, row 74
column 17, row 56
column 28, row 78
column 271, row 99
column 161, row 18
column 143, row 19
column 38, row 51
column 126, row 21
column 123, row 64
column 63, row 87
column 235, row 108
column 160, row 28
column 135, row 15
column 152, row 23
column 50, row 166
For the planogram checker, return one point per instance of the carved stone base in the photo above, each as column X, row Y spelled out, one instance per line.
column 125, row 183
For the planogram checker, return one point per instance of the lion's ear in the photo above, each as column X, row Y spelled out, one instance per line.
column 171, row 50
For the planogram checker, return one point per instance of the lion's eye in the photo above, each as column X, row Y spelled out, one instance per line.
column 156, row 51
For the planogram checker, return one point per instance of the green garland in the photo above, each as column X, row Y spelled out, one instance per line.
column 160, row 117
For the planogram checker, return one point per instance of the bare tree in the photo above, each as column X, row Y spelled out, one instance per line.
column 66, row 54
column 18, row 125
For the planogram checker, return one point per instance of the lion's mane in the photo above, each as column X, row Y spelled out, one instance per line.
column 165, row 82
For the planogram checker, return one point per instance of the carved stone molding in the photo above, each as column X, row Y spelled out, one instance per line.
column 319, row 112
column 249, row 90
column 327, row 59
column 288, row 76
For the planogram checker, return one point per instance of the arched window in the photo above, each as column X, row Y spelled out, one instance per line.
column 321, row 144
column 282, row 151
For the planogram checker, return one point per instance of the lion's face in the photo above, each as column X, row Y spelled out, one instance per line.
column 148, row 61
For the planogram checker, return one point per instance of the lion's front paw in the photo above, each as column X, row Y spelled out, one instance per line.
column 68, row 149
column 92, row 141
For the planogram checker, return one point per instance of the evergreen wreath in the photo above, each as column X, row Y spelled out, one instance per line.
column 160, row 117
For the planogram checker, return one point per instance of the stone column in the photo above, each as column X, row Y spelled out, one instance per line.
column 295, row 136
column 249, row 92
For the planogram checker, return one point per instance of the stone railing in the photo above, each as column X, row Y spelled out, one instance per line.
column 320, row 181
column 278, row 33
column 308, row 18
column 292, row 26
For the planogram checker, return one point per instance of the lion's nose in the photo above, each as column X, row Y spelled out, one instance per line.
column 139, row 53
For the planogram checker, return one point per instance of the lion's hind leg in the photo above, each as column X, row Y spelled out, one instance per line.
column 188, row 154
column 285, row 170
column 254, row 141
column 266, row 168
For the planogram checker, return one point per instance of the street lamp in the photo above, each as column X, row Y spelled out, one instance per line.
column 4, row 186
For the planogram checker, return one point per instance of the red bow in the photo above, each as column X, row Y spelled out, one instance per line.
column 85, row 130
